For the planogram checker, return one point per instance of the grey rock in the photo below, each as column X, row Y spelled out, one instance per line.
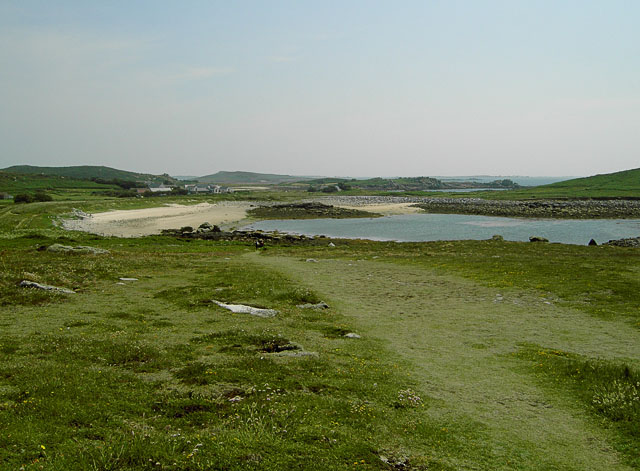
column 352, row 335
column 80, row 249
column 537, row 239
column 204, row 227
column 320, row 305
column 242, row 309
column 629, row 242
column 33, row 284
column 80, row 214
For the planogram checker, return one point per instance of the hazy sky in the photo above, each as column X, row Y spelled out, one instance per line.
column 359, row 88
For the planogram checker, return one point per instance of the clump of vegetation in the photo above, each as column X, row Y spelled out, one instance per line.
column 38, row 196
column 408, row 398
column 307, row 211
column 610, row 390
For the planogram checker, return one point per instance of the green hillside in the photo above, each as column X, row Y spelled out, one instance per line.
column 87, row 172
column 249, row 178
column 627, row 180
column 624, row 184
column 14, row 183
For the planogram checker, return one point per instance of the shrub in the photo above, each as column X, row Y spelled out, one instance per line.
column 23, row 198
column 42, row 196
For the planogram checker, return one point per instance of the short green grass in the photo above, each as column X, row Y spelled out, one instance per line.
column 609, row 390
column 151, row 375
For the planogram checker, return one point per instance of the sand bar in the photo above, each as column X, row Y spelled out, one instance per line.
column 387, row 209
column 148, row 221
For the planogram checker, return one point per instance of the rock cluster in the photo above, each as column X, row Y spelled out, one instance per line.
column 575, row 209
column 245, row 236
column 568, row 209
column 306, row 210
column 630, row 242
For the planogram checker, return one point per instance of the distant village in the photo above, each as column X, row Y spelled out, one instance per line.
column 192, row 189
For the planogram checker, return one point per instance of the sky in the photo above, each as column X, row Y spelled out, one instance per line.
column 336, row 88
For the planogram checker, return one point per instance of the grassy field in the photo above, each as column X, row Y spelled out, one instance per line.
column 472, row 355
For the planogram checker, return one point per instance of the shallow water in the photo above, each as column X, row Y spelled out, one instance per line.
column 429, row 227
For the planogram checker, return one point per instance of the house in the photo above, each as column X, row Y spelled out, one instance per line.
column 207, row 189
column 160, row 189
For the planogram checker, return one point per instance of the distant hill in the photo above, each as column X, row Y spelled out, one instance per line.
column 87, row 172
column 249, row 178
column 14, row 183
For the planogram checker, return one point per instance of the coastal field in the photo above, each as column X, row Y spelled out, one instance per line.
column 464, row 355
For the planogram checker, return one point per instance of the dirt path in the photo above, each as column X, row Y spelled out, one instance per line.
column 459, row 337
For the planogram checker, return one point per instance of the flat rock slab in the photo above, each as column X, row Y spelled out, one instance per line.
column 79, row 249
column 320, row 305
column 242, row 309
column 56, row 289
column 127, row 279
column 297, row 353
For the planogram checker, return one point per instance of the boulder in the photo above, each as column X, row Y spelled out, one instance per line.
column 242, row 309
column 204, row 227
column 537, row 239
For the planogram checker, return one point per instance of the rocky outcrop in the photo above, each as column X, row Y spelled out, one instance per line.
column 55, row 289
column 248, row 236
column 573, row 209
column 629, row 242
column 206, row 227
column 307, row 210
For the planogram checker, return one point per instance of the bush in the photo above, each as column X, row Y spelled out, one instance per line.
column 23, row 198
column 41, row 196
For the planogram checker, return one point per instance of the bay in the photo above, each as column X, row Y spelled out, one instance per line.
column 430, row 227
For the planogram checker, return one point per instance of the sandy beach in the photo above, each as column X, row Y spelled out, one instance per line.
column 148, row 221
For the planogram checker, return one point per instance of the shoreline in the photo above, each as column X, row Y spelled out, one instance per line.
column 229, row 214
column 553, row 209
column 151, row 221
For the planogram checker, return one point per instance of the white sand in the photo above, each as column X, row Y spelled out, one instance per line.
column 141, row 222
